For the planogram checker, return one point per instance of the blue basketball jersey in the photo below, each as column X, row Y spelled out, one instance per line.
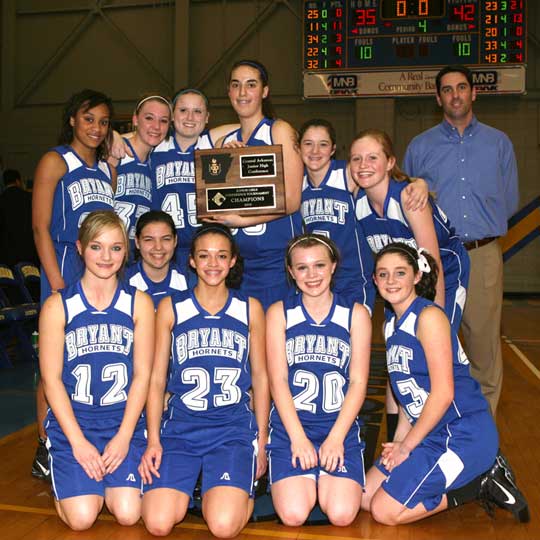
column 174, row 173
column 263, row 246
column 134, row 187
column 328, row 210
column 409, row 375
column 318, row 357
column 393, row 226
column 174, row 281
column 98, row 352
column 80, row 191
column 210, row 373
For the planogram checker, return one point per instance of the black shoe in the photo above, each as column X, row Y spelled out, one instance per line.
column 40, row 466
column 499, row 487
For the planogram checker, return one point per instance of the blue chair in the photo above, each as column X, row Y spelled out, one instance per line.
column 28, row 276
column 21, row 315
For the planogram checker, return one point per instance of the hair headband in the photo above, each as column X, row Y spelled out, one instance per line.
column 148, row 98
column 255, row 65
column 211, row 227
column 310, row 237
column 420, row 258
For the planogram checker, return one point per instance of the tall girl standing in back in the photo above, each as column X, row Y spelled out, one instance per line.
column 262, row 239
column 96, row 344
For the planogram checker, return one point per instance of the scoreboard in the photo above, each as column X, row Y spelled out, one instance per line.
column 351, row 37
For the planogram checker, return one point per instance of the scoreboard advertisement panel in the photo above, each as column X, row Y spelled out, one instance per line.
column 395, row 47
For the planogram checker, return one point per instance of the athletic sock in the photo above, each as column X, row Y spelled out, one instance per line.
column 464, row 494
column 391, row 425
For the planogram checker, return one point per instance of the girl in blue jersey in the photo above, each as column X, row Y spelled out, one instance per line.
column 96, row 344
column 446, row 438
column 173, row 165
column 155, row 272
column 318, row 361
column 70, row 181
column 262, row 239
column 135, row 183
column 328, row 209
column 216, row 337
column 384, row 218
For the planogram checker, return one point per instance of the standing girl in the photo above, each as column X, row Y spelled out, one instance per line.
column 96, row 343
column 216, row 337
column 155, row 272
column 446, row 438
column 173, row 164
column 328, row 209
column 262, row 239
column 318, row 361
column 384, row 218
column 70, row 181
column 134, row 187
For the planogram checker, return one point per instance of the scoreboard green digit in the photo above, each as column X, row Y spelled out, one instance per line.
column 356, row 36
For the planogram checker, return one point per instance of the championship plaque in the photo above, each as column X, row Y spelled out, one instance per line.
column 247, row 181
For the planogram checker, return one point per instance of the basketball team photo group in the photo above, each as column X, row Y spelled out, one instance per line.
column 208, row 300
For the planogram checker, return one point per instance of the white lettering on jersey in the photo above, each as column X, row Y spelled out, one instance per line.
column 378, row 241
column 92, row 338
column 327, row 210
column 317, row 348
column 210, row 342
column 397, row 358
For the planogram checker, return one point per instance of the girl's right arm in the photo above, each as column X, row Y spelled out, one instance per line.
column 278, row 374
column 51, row 363
column 151, row 459
column 50, row 170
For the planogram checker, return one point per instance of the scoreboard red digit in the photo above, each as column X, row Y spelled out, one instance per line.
column 363, row 35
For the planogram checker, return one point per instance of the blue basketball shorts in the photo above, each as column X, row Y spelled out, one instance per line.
column 232, row 462
column 68, row 477
column 445, row 460
column 280, row 455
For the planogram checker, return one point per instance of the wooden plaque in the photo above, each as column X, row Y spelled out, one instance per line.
column 247, row 181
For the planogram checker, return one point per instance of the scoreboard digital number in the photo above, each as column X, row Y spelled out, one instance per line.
column 367, row 35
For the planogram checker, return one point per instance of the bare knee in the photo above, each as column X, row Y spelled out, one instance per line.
column 342, row 517
column 381, row 514
column 79, row 520
column 225, row 526
column 125, row 513
column 157, row 526
column 293, row 516
column 77, row 513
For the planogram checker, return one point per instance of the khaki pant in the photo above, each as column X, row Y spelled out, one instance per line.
column 481, row 324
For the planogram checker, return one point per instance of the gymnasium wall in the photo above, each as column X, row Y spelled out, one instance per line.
column 52, row 48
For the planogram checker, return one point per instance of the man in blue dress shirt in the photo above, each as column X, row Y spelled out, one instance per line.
column 472, row 169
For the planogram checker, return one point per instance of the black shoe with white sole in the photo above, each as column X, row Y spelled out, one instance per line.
column 40, row 466
column 499, row 487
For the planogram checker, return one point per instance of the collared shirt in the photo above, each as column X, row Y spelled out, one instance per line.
column 474, row 176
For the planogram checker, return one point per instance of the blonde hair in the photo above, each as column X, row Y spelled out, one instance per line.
column 95, row 222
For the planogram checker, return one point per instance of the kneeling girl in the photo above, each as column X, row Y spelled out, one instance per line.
column 318, row 348
column 216, row 337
